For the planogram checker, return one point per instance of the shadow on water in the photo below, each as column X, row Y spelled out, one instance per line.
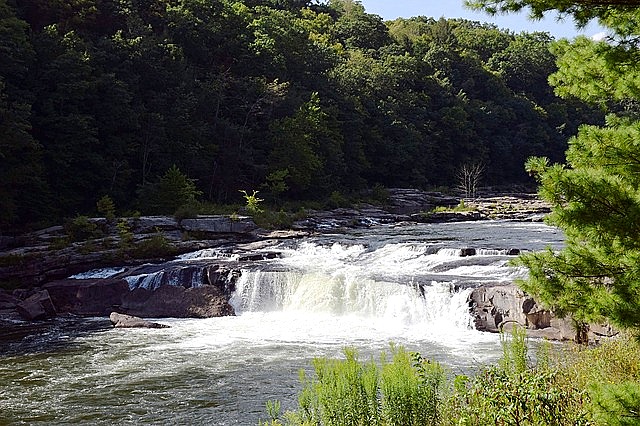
column 20, row 338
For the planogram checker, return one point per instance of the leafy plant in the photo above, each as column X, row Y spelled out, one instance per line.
column 406, row 390
column 252, row 202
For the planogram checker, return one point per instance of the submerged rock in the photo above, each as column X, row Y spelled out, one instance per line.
column 129, row 321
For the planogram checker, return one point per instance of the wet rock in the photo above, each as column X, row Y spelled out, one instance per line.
column 93, row 297
column 465, row 252
column 128, row 321
column 37, row 307
column 447, row 216
column 177, row 302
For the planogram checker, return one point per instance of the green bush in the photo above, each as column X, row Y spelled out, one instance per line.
column 252, row 202
column 155, row 247
column 187, row 211
column 125, row 234
column 81, row 228
column 166, row 195
column 517, row 393
column 106, row 207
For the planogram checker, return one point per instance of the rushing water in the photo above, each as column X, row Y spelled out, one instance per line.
column 404, row 284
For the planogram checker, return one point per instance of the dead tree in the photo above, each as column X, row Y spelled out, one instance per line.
column 469, row 176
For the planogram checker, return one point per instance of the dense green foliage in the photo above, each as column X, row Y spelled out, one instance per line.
column 596, row 195
column 295, row 98
column 594, row 387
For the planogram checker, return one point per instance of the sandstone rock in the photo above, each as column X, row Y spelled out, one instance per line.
column 128, row 321
column 37, row 307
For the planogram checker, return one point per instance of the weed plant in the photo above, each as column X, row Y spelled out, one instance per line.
column 578, row 387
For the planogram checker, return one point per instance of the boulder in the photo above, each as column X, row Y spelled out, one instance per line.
column 7, row 300
column 37, row 307
column 467, row 251
column 128, row 321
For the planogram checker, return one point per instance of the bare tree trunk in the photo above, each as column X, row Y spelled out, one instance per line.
column 469, row 176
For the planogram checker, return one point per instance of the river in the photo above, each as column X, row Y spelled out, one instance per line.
column 364, row 289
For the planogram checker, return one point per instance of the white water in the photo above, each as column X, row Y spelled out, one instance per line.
column 405, row 285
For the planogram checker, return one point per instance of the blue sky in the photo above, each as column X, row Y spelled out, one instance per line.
column 391, row 9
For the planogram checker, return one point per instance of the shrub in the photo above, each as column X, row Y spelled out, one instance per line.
column 81, row 228
column 173, row 190
column 125, row 234
column 516, row 393
column 187, row 211
column 106, row 207
column 155, row 247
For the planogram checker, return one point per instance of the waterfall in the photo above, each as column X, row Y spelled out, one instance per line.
column 342, row 295
column 186, row 277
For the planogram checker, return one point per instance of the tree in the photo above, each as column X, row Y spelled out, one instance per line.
column 172, row 191
column 469, row 176
column 23, row 192
column 596, row 195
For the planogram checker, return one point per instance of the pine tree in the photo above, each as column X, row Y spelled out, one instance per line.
column 596, row 195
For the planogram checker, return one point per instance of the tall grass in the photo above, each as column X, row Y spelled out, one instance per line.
column 579, row 387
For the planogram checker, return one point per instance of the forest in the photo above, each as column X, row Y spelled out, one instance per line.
column 294, row 98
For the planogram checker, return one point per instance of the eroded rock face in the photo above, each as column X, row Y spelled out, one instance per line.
column 177, row 302
column 501, row 307
column 128, row 321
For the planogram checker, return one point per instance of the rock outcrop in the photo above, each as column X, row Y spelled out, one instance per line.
column 500, row 307
column 47, row 255
column 128, row 321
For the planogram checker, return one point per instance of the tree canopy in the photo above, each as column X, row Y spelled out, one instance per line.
column 302, row 98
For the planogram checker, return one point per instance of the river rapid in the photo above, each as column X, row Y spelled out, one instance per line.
column 365, row 289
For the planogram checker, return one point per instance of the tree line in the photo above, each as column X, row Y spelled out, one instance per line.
column 296, row 98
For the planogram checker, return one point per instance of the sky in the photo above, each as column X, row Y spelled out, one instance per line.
column 392, row 9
